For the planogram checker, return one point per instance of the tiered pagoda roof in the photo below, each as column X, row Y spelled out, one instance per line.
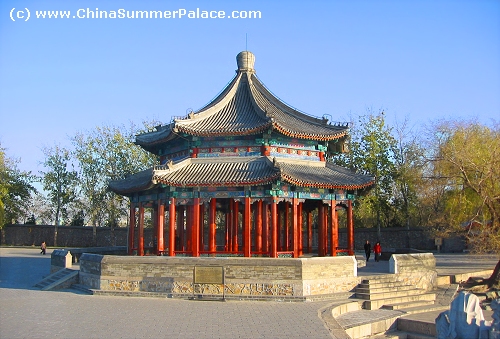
column 243, row 171
column 244, row 108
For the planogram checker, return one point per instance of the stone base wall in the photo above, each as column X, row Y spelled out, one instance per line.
column 416, row 269
column 258, row 277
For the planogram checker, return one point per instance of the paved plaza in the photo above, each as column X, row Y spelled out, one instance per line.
column 26, row 312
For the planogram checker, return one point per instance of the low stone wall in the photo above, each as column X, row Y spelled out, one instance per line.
column 419, row 269
column 258, row 278
column 83, row 236
column 67, row 236
column 114, row 250
column 60, row 259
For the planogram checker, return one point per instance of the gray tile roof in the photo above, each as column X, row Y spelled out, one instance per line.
column 140, row 181
column 231, row 113
column 243, row 171
column 326, row 176
column 162, row 134
column 247, row 107
column 229, row 171
column 290, row 121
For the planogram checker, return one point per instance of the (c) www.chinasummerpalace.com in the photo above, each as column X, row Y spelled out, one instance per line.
column 243, row 176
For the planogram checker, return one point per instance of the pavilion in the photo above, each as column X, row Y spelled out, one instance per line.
column 246, row 175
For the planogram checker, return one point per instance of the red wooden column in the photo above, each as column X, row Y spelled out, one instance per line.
column 350, row 229
column 212, row 247
column 140, row 250
column 195, row 227
column 295, row 227
column 325, row 228
column 189, row 226
column 131, row 229
column 280, row 227
column 160, row 215
column 321, row 230
column 274, row 229
column 300, row 223
column 286, row 223
column 258, row 225
column 202, row 226
column 247, row 234
column 180, row 228
column 154, row 221
column 309, row 232
column 265, row 227
column 236, row 207
column 228, row 247
column 334, row 241
column 171, row 224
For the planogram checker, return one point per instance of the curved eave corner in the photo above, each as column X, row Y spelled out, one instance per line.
column 137, row 182
column 149, row 140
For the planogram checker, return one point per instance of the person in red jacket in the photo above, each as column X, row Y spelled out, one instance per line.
column 377, row 249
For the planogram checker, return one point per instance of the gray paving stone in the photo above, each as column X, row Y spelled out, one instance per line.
column 26, row 312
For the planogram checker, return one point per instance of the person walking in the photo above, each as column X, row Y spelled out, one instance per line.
column 377, row 249
column 43, row 248
column 368, row 250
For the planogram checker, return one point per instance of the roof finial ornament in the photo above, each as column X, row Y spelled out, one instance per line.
column 245, row 61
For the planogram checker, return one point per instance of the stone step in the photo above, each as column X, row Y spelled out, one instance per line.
column 373, row 304
column 50, row 279
column 418, row 336
column 384, row 289
column 389, row 294
column 382, row 279
column 417, row 327
column 403, row 335
column 424, row 309
column 375, row 285
column 344, row 308
column 55, row 279
column 408, row 305
column 366, row 324
column 81, row 288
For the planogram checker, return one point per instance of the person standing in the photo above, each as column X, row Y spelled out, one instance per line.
column 368, row 250
column 43, row 247
column 377, row 249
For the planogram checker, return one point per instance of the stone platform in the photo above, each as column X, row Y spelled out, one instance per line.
column 250, row 278
column 244, row 278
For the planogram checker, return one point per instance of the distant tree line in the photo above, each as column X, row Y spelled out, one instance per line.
column 74, row 181
column 446, row 176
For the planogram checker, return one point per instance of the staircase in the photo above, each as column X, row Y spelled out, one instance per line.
column 388, row 293
column 383, row 302
column 61, row 279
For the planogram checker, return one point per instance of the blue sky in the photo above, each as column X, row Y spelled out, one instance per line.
column 424, row 60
